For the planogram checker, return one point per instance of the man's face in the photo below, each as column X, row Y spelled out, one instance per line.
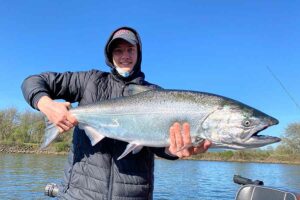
column 124, row 55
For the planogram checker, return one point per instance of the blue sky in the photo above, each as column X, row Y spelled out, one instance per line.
column 222, row 47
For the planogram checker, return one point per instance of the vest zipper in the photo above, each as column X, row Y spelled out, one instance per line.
column 71, row 168
column 111, row 178
column 112, row 163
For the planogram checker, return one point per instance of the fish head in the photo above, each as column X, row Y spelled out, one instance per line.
column 237, row 126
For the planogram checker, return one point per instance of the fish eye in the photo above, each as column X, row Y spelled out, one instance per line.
column 247, row 122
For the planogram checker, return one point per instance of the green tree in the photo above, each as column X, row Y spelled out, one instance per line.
column 291, row 139
column 31, row 127
column 9, row 118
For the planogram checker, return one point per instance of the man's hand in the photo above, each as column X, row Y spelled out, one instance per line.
column 180, row 137
column 57, row 113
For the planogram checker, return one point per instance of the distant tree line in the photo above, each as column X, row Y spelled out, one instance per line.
column 25, row 127
column 28, row 127
column 291, row 140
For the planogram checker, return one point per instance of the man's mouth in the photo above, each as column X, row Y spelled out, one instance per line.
column 126, row 63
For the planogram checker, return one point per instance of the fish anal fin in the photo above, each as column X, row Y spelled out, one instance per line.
column 94, row 135
column 131, row 147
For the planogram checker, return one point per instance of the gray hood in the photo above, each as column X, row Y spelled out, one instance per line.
column 136, row 72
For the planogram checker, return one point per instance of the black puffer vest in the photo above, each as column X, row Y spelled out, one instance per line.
column 95, row 172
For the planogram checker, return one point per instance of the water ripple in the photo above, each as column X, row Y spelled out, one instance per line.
column 25, row 176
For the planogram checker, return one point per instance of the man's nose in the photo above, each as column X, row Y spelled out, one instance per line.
column 126, row 54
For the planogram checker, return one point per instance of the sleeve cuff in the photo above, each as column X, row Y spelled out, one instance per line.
column 161, row 152
column 36, row 99
column 169, row 153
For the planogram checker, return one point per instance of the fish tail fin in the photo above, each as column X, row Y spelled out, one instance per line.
column 51, row 132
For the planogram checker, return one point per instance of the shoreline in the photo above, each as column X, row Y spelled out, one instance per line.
column 247, row 161
column 209, row 156
column 27, row 149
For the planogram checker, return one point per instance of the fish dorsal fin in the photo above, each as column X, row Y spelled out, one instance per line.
column 133, row 89
column 94, row 135
column 131, row 147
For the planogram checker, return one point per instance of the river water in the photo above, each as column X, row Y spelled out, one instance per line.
column 24, row 176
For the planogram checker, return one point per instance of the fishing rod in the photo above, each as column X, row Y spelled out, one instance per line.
column 283, row 87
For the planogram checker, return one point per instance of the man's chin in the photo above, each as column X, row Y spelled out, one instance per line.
column 126, row 68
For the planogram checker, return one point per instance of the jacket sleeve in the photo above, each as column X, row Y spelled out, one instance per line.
column 160, row 152
column 68, row 86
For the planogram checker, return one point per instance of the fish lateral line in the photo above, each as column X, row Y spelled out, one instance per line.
column 141, row 113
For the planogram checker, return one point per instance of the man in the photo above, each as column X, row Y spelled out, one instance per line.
column 93, row 172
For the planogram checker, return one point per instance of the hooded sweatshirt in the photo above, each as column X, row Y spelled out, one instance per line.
column 93, row 172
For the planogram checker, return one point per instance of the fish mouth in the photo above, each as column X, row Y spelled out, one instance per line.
column 259, row 140
column 257, row 132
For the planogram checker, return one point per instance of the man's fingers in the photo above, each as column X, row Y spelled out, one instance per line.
column 178, row 138
column 64, row 125
column 68, row 123
column 60, row 129
column 172, row 140
column 72, row 119
column 203, row 147
column 186, row 140
column 207, row 144
column 67, row 104
column 186, row 134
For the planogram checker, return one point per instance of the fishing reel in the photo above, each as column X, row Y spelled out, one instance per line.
column 51, row 190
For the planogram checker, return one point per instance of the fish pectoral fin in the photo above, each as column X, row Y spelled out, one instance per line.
column 94, row 135
column 184, row 147
column 131, row 147
column 197, row 142
column 137, row 149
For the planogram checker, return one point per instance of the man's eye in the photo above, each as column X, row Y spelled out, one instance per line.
column 117, row 51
